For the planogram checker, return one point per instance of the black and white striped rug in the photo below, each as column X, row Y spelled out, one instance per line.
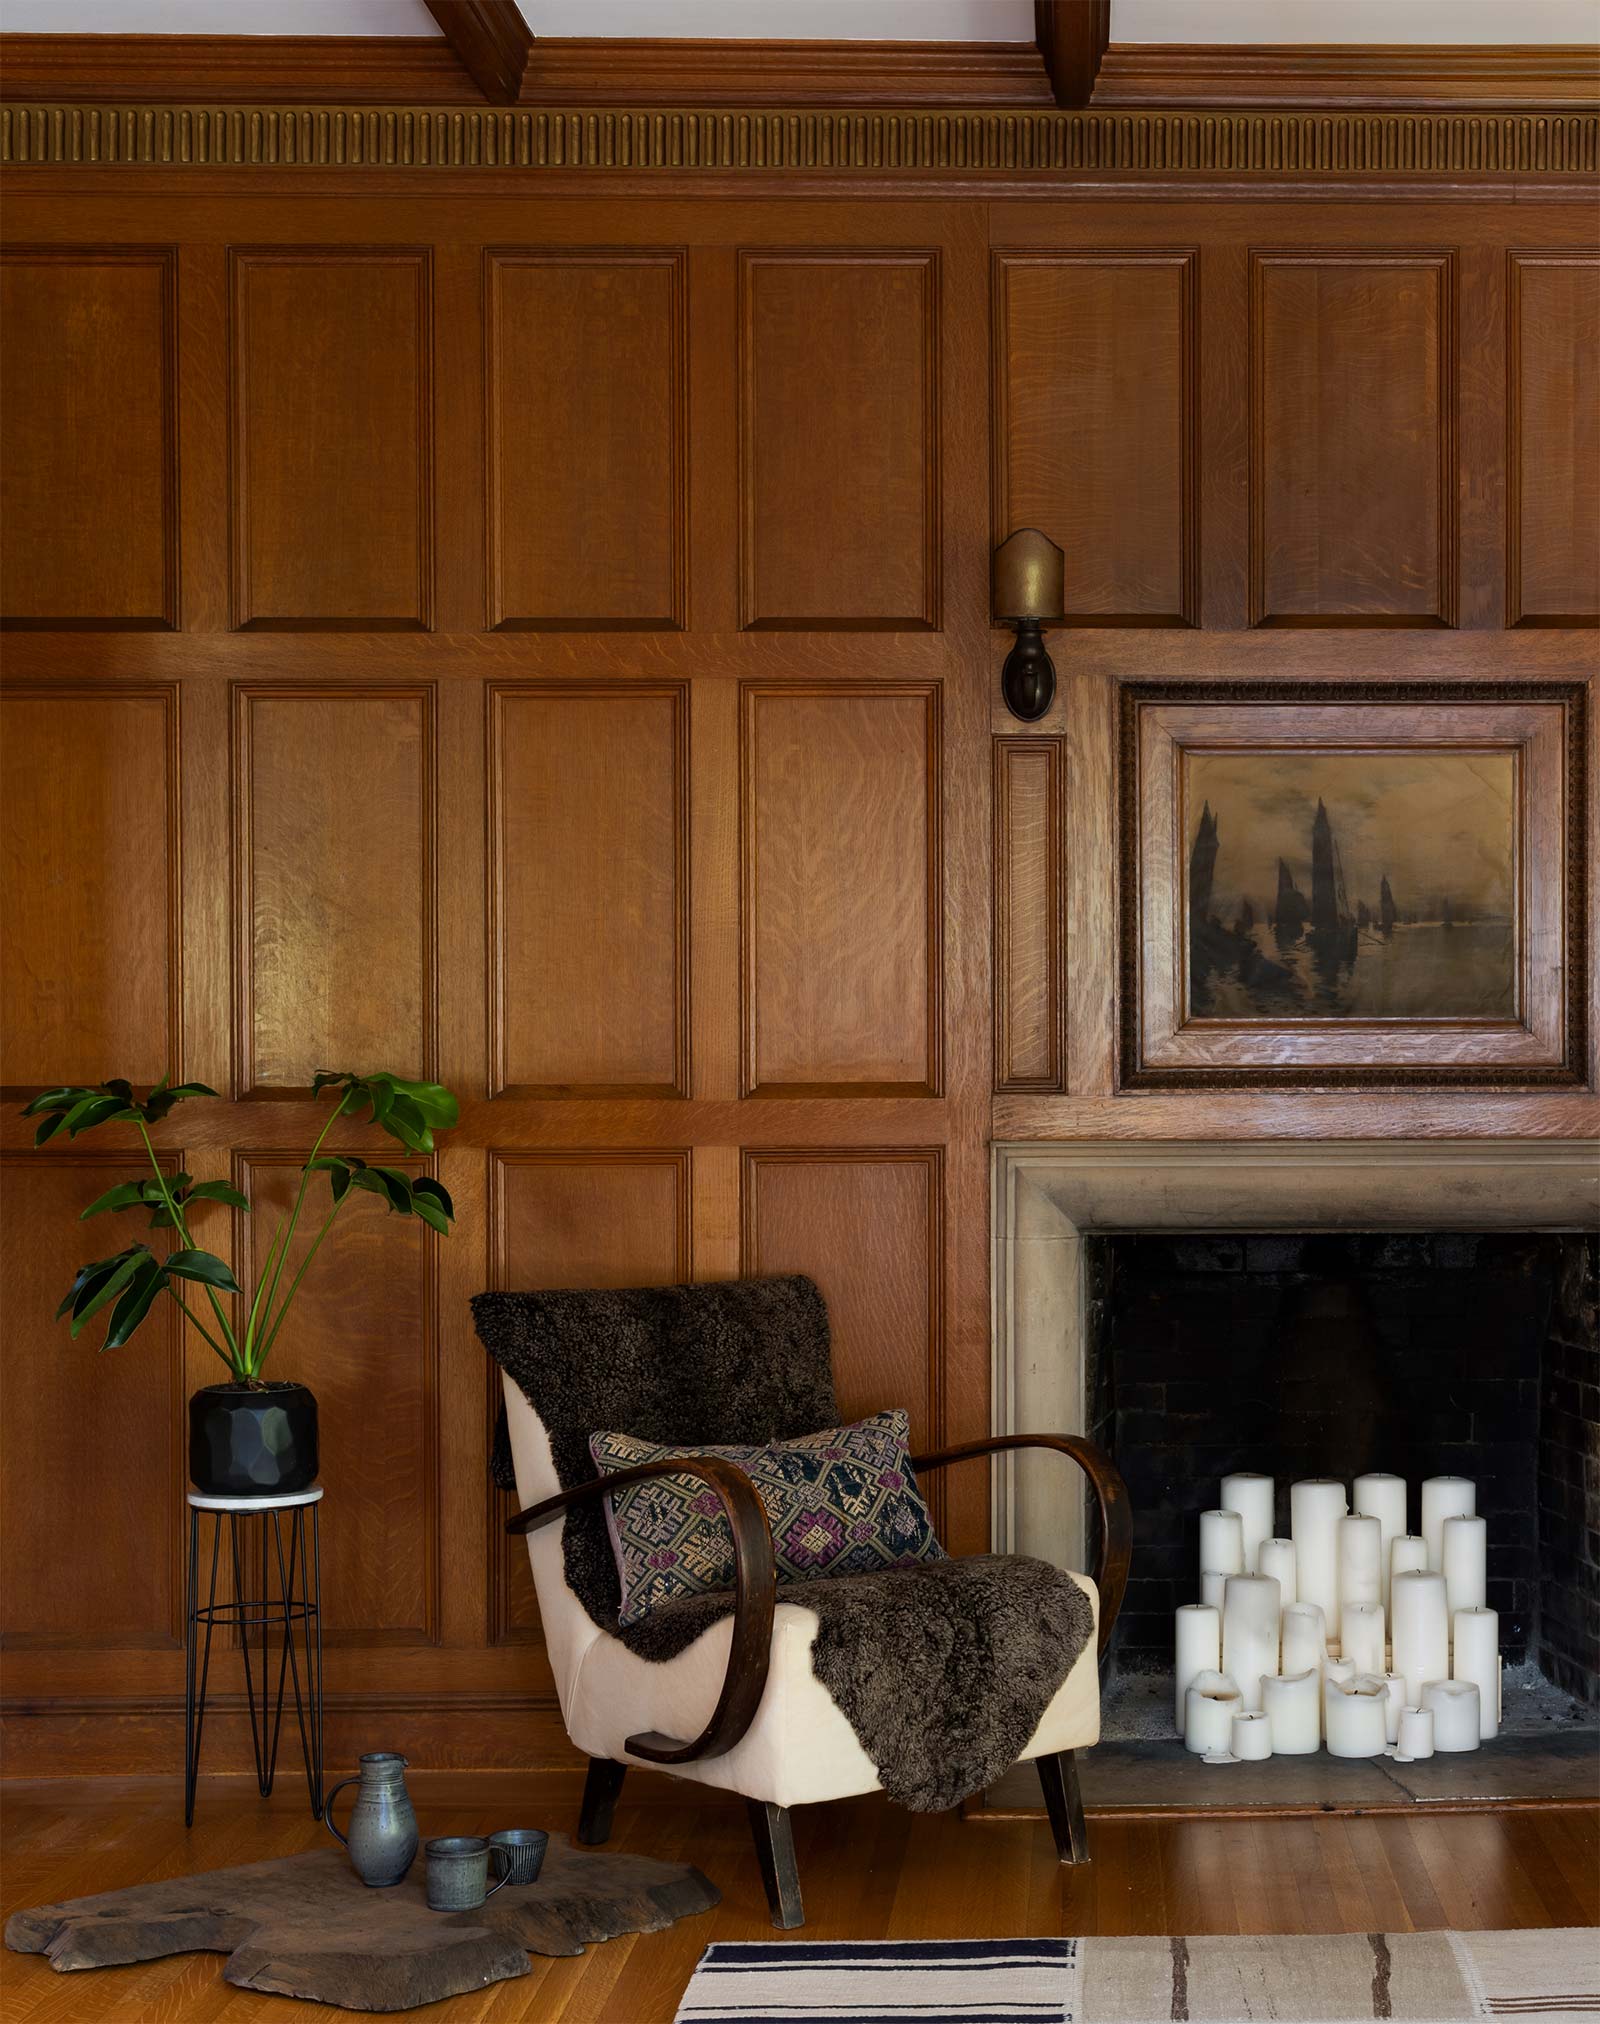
column 884, row 1982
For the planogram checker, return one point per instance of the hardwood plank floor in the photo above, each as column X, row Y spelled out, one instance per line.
column 868, row 1870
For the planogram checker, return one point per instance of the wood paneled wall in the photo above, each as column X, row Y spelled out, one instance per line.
column 544, row 644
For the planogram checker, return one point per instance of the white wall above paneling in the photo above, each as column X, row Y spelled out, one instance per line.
column 216, row 17
column 1370, row 21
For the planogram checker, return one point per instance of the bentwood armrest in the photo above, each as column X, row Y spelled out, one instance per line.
column 1111, row 1494
column 755, row 1581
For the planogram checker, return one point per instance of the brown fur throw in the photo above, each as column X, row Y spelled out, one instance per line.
column 942, row 1669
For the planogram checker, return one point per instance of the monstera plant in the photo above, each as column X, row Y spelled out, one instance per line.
column 250, row 1435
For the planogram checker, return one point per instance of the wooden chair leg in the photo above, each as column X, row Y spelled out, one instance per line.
column 1058, row 1776
column 600, row 1791
column 774, row 1838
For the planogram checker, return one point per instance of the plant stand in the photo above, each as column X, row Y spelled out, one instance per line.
column 288, row 1598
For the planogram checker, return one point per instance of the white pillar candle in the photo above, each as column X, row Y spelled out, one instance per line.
column 1444, row 1497
column 1252, row 1737
column 1276, row 1558
column 1197, row 1648
column 1407, row 1555
column 1395, row 1702
column 1355, row 1712
column 1421, row 1632
column 1361, row 1635
column 1221, row 1542
column 1360, row 1560
column 1382, row 1497
column 1335, row 1673
column 1315, row 1508
column 1305, row 1637
column 1293, row 1705
column 1211, row 1587
column 1476, row 1657
column 1250, row 1611
column 1251, row 1496
column 1416, row 1732
column 1454, row 1706
column 1465, row 1563
column 1208, row 1717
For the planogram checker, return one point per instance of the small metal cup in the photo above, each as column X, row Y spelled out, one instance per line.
column 519, row 1852
column 458, row 1873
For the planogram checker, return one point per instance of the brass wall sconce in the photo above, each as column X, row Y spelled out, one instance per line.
column 1029, row 585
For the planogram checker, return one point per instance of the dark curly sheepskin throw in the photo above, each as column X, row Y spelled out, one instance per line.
column 942, row 1669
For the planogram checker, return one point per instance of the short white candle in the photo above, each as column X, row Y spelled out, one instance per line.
column 1250, row 1612
column 1395, row 1702
column 1360, row 1560
column 1354, row 1711
column 1454, row 1706
column 1211, row 1587
column 1221, row 1542
column 1277, row 1559
column 1444, row 1497
column 1465, row 1557
column 1421, row 1632
column 1293, row 1705
column 1305, row 1637
column 1251, row 1496
column 1416, row 1732
column 1407, row 1555
column 1335, row 1673
column 1361, row 1635
column 1197, row 1648
column 1315, row 1508
column 1252, row 1737
column 1383, row 1497
column 1476, row 1657
column 1208, row 1718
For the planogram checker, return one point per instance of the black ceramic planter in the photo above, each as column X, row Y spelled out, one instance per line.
column 252, row 1440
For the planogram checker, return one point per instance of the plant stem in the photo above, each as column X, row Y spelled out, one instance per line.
column 315, row 1246
column 279, row 1236
column 200, row 1325
column 259, row 1357
column 182, row 1229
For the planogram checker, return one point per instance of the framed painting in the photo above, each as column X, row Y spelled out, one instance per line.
column 1335, row 884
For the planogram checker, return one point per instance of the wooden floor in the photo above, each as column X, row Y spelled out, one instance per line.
column 867, row 1868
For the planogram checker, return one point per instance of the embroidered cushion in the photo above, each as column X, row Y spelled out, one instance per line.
column 843, row 1501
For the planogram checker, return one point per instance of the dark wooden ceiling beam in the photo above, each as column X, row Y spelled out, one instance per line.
column 1072, row 36
column 493, row 42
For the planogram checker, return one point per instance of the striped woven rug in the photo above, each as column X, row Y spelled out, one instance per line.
column 1318, row 1978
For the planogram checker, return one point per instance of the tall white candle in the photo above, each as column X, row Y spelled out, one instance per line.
column 1208, row 1718
column 1465, row 1563
column 1476, row 1657
column 1276, row 1558
column 1416, row 1732
column 1383, row 1497
column 1315, row 1508
column 1395, row 1705
column 1221, row 1542
column 1197, row 1648
column 1250, row 1610
column 1251, row 1496
column 1305, row 1637
column 1407, row 1555
column 1421, row 1632
column 1361, row 1635
column 1360, row 1560
column 1444, row 1497
column 1293, row 1705
column 1211, row 1587
column 1454, row 1705
column 1252, row 1737
column 1355, row 1712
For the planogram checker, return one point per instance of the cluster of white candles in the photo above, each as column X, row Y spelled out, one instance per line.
column 1353, row 1632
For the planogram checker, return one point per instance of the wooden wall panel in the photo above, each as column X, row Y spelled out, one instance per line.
column 588, row 882
column 1093, row 430
column 88, row 415
column 1353, row 468
column 841, row 801
column 574, row 1218
column 587, row 440
column 1553, row 455
column 91, row 1497
column 1029, row 923
column 334, row 905
column 89, row 807
column 364, row 1335
column 839, row 440
column 332, row 437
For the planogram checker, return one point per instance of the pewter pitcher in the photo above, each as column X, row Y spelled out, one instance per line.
column 383, row 1828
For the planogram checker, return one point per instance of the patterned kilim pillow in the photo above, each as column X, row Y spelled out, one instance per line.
column 840, row 1502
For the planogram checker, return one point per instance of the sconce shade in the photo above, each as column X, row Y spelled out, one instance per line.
column 1029, row 576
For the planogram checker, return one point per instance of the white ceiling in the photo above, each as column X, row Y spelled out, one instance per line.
column 829, row 20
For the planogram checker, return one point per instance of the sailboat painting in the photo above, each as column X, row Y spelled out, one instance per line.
column 1326, row 884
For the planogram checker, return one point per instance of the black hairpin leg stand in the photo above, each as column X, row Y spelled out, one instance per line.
column 283, row 1560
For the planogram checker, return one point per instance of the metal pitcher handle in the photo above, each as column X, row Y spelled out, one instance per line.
column 327, row 1807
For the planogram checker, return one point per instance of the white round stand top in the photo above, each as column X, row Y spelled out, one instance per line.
column 284, row 1501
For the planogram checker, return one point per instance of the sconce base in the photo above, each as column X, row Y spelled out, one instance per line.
column 1028, row 679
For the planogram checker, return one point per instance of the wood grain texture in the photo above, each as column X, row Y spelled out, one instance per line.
column 334, row 901
column 1353, row 426
column 588, row 885
column 89, row 801
column 1029, row 916
column 587, row 439
column 332, row 401
column 1094, row 426
column 1342, row 74
column 1072, row 37
column 88, row 413
column 839, row 440
column 841, row 794
column 1553, row 451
